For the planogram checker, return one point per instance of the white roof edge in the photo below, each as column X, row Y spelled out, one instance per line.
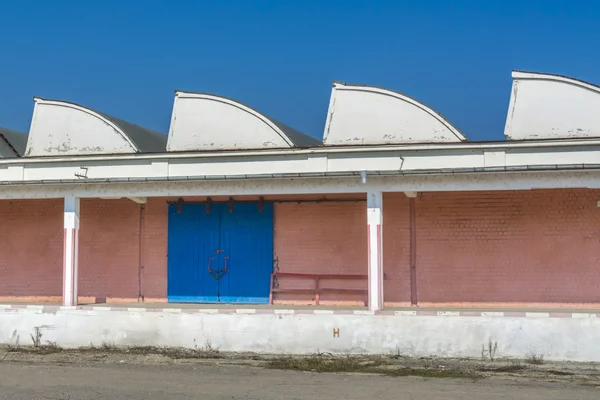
column 468, row 146
column 516, row 75
column 235, row 103
column 64, row 103
column 388, row 92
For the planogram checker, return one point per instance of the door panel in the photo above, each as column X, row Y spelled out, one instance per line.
column 193, row 239
column 247, row 237
column 220, row 256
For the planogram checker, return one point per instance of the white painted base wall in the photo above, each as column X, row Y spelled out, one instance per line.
column 572, row 339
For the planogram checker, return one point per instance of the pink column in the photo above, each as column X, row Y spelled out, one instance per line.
column 70, row 251
column 375, row 238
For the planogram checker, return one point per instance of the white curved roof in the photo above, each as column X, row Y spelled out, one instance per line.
column 546, row 106
column 64, row 128
column 360, row 114
column 209, row 122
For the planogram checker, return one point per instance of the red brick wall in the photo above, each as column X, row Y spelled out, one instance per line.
column 396, row 248
column 524, row 247
column 109, row 251
column 321, row 238
column 155, row 250
column 31, row 250
column 532, row 248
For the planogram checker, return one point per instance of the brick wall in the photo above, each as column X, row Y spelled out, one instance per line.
column 31, row 250
column 155, row 250
column 538, row 247
column 522, row 248
column 109, row 251
column 396, row 248
column 321, row 238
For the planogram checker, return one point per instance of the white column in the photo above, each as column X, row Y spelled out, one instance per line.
column 70, row 251
column 375, row 224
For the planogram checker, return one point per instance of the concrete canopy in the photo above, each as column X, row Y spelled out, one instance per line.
column 360, row 114
column 209, row 122
column 547, row 106
column 12, row 143
column 64, row 128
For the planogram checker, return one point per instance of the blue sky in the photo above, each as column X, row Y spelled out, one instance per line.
column 126, row 58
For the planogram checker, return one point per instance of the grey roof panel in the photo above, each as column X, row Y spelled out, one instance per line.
column 12, row 143
column 298, row 138
column 146, row 140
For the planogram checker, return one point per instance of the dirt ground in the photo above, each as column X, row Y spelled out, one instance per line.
column 107, row 372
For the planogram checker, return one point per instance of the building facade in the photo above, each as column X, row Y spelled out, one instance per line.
column 395, row 213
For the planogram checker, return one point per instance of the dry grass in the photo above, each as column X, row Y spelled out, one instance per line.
column 360, row 364
column 177, row 353
column 534, row 358
column 326, row 363
column 505, row 368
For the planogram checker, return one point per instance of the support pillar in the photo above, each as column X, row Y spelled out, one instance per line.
column 70, row 251
column 375, row 224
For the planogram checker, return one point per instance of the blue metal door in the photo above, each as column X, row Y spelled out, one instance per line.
column 224, row 255
column 193, row 239
column 247, row 238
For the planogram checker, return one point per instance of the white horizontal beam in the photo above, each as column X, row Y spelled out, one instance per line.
column 292, row 163
column 417, row 183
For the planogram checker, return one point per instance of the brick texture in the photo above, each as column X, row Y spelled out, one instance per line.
column 321, row 238
column 511, row 248
column 31, row 250
column 155, row 250
column 396, row 249
column 539, row 247
column 109, row 251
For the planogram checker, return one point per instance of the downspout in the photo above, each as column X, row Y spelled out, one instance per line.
column 141, row 253
column 413, row 253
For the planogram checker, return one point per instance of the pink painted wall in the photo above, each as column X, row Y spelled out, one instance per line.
column 109, row 251
column 396, row 249
column 528, row 248
column 155, row 250
column 31, row 250
column 321, row 238
column 539, row 247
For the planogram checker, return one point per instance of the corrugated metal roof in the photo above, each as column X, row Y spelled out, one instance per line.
column 12, row 143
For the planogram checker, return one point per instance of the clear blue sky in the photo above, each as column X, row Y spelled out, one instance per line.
column 127, row 57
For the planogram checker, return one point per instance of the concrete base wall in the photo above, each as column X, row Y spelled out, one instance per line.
column 445, row 334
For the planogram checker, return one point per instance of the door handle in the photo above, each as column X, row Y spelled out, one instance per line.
column 217, row 273
column 225, row 259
